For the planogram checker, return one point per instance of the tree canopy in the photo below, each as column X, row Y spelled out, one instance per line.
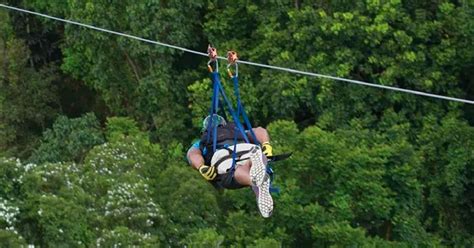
column 94, row 127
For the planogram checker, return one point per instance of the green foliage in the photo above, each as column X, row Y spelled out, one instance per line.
column 124, row 237
column 357, row 176
column 119, row 127
column 132, row 77
column 55, row 206
column 339, row 235
column 11, row 170
column 11, row 239
column 28, row 97
column 266, row 243
column 448, row 156
column 61, row 221
column 8, row 213
column 69, row 139
column 246, row 227
column 119, row 174
column 204, row 238
column 189, row 201
column 370, row 168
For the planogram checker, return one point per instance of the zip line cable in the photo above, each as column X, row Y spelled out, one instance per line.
column 415, row 92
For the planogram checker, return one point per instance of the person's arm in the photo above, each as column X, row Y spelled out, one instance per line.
column 195, row 157
column 261, row 134
column 196, row 160
column 264, row 139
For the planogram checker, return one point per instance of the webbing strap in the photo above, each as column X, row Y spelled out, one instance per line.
column 241, row 110
column 219, row 90
column 214, row 109
column 234, row 155
column 232, row 112
column 211, row 111
column 214, row 125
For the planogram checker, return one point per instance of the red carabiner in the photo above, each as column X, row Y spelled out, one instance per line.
column 212, row 52
column 232, row 57
column 232, row 60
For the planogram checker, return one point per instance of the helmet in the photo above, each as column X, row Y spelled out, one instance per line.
column 217, row 120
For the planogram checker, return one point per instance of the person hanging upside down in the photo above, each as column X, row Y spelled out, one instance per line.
column 251, row 159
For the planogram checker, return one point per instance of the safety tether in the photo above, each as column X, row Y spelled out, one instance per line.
column 232, row 59
column 218, row 92
column 218, row 95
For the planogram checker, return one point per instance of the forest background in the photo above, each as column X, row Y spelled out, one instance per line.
column 94, row 127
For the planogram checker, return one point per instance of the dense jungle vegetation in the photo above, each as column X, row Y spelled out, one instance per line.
column 94, row 127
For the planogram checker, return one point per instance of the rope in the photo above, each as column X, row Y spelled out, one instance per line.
column 415, row 92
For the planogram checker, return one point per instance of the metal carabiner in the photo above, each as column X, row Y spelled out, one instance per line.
column 212, row 52
column 232, row 60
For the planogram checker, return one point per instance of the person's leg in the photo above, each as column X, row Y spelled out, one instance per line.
column 264, row 139
column 242, row 174
column 261, row 134
column 261, row 189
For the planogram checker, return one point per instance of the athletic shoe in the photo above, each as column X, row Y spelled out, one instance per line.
column 258, row 169
column 264, row 198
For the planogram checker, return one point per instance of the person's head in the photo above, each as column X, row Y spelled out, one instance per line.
column 217, row 120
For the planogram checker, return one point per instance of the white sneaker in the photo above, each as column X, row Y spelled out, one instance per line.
column 258, row 169
column 264, row 198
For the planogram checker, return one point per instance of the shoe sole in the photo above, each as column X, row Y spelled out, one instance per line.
column 264, row 200
column 258, row 169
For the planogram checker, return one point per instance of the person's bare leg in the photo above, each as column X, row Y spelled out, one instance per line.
column 262, row 192
column 260, row 182
column 261, row 134
column 242, row 174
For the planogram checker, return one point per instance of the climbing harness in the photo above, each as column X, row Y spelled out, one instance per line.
column 219, row 96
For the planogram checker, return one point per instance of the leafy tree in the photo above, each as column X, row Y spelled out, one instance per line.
column 69, row 139
column 28, row 99
column 267, row 243
column 11, row 239
column 189, row 201
column 133, row 78
column 355, row 176
column 370, row 168
column 119, row 175
column 55, row 207
column 123, row 237
column 204, row 238
column 447, row 152
column 12, row 171
column 120, row 127
column 391, row 43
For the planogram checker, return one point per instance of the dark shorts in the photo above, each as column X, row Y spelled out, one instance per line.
column 226, row 181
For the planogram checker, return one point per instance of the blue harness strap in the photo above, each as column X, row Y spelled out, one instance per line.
column 213, row 110
column 218, row 91
column 241, row 110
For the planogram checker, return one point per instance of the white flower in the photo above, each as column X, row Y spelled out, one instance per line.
column 149, row 222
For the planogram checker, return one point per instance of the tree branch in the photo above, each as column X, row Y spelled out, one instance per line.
column 134, row 67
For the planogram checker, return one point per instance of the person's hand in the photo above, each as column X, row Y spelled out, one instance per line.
column 208, row 172
column 267, row 149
